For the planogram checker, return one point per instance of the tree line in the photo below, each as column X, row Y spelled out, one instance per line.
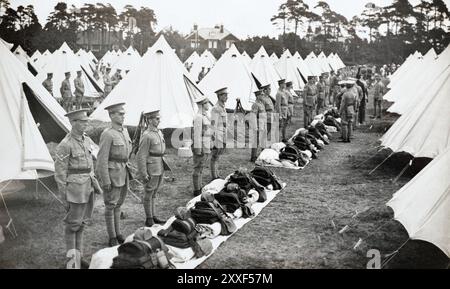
column 392, row 32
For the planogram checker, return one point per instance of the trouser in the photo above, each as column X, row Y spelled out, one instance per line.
column 78, row 100
column 362, row 111
column 75, row 220
column 113, row 201
column 197, row 175
column 151, row 188
column 377, row 104
column 260, row 143
column 215, row 154
column 307, row 115
column 290, row 112
column 67, row 103
column 347, row 127
column 283, row 127
column 320, row 104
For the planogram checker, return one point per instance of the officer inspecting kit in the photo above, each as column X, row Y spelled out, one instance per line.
column 219, row 126
column 113, row 170
column 74, row 175
column 201, row 143
column 347, row 110
column 151, row 165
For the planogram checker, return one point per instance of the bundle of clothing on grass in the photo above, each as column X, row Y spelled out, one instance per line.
column 298, row 151
column 193, row 229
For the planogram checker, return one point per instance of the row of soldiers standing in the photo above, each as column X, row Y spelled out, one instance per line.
column 78, row 181
column 69, row 100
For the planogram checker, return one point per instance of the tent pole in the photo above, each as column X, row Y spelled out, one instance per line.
column 11, row 222
column 134, row 195
column 50, row 191
column 381, row 164
column 402, row 171
column 393, row 254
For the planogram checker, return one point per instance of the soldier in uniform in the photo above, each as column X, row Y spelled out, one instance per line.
column 112, row 170
column 66, row 93
column 268, row 105
column 201, row 143
column 116, row 78
column 259, row 119
column 201, row 74
column 326, row 81
column 48, row 83
column 74, row 175
column 79, row 90
column 347, row 110
column 282, row 107
column 108, row 82
column 309, row 101
column 378, row 93
column 334, row 88
column 219, row 126
column 321, row 88
column 289, row 92
column 151, row 165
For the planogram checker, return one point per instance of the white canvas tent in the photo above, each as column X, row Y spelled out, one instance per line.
column 127, row 61
column 409, row 78
column 35, row 56
column 424, row 131
column 110, row 58
column 22, row 55
column 159, row 82
column 64, row 60
column 24, row 101
column 415, row 91
column 265, row 72
column 231, row 71
column 287, row 68
column 206, row 60
column 422, row 206
column 323, row 62
column 302, row 67
column 85, row 60
column 246, row 57
column 192, row 58
column 274, row 57
column 313, row 64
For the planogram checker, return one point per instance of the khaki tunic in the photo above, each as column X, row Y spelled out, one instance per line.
column 48, row 84
column 79, row 87
column 202, row 134
column 379, row 90
column 282, row 103
column 74, row 169
column 150, row 156
column 66, row 89
column 113, row 155
column 219, row 125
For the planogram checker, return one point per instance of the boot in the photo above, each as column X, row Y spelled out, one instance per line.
column 113, row 242
column 120, row 239
column 158, row 221
column 149, row 222
column 117, row 222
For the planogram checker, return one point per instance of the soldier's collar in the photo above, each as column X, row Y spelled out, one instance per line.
column 152, row 128
column 77, row 136
column 117, row 127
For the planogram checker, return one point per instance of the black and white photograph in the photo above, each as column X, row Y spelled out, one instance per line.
column 225, row 134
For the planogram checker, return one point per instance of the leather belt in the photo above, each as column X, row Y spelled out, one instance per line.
column 118, row 160
column 155, row 155
column 78, row 171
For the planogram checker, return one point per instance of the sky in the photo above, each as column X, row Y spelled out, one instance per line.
column 241, row 17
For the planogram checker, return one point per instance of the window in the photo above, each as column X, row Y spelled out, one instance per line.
column 194, row 44
column 228, row 43
column 212, row 44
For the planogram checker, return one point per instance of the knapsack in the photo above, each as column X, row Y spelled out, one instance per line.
column 233, row 200
column 150, row 254
column 265, row 177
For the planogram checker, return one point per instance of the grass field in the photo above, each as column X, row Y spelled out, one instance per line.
column 298, row 229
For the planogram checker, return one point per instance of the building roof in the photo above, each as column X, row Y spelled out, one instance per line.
column 216, row 33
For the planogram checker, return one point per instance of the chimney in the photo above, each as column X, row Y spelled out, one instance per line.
column 221, row 28
column 195, row 27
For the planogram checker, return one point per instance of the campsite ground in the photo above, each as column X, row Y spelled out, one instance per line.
column 298, row 229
